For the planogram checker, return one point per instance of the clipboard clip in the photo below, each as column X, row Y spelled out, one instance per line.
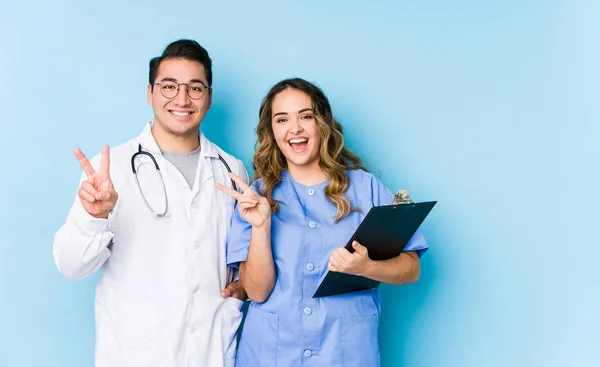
column 402, row 197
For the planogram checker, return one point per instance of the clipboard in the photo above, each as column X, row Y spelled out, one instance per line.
column 384, row 231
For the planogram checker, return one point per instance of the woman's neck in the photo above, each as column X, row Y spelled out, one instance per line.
column 308, row 175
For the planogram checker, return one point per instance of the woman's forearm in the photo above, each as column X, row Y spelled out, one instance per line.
column 401, row 269
column 257, row 273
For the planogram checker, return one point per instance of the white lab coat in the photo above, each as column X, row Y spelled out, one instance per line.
column 158, row 300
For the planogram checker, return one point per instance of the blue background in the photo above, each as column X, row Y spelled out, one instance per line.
column 490, row 107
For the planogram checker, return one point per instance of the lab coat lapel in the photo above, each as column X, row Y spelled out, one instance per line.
column 204, row 171
column 148, row 143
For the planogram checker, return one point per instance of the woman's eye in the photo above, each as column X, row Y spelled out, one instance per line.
column 307, row 117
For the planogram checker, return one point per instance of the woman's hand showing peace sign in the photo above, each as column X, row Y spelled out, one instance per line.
column 255, row 209
column 97, row 193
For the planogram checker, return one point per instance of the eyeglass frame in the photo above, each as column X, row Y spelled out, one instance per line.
column 187, row 89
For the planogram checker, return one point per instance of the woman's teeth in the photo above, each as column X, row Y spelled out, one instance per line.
column 298, row 144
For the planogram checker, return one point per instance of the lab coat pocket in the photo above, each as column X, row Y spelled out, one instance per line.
column 234, row 305
column 230, row 323
column 359, row 341
column 259, row 341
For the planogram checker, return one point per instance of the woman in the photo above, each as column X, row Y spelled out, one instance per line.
column 310, row 195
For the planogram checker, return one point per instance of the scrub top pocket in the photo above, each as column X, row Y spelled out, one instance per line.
column 259, row 339
column 358, row 341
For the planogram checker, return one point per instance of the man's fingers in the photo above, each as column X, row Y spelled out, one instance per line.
column 232, row 289
column 103, row 195
column 105, row 160
column 113, row 195
column 110, row 196
column 89, row 188
column 107, row 205
column 231, row 192
column 84, row 163
column 229, row 291
column 84, row 195
column 105, row 186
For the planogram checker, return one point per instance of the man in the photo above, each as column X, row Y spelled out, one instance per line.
column 149, row 215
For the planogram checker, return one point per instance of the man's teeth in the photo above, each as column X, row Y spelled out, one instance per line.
column 178, row 113
column 297, row 141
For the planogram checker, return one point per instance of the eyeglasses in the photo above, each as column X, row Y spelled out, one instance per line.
column 169, row 89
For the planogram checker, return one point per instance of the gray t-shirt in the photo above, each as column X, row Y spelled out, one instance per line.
column 186, row 163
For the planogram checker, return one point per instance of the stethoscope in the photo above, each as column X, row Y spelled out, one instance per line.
column 141, row 152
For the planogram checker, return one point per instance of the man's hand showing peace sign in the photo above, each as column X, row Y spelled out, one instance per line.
column 97, row 193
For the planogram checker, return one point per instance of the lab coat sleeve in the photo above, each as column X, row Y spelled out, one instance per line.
column 243, row 173
column 81, row 245
column 383, row 196
column 238, row 240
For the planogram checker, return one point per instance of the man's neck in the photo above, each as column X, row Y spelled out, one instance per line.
column 176, row 143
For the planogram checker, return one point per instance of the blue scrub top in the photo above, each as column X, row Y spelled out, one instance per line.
column 291, row 328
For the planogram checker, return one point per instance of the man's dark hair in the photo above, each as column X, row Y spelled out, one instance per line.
column 183, row 49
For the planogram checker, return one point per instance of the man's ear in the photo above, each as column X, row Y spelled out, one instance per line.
column 150, row 94
column 209, row 94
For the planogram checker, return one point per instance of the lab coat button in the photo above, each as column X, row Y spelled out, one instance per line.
column 307, row 310
column 311, row 192
column 310, row 266
column 312, row 224
column 195, row 289
column 307, row 353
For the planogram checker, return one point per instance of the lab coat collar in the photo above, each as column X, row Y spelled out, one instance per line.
column 149, row 143
column 208, row 147
column 146, row 139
